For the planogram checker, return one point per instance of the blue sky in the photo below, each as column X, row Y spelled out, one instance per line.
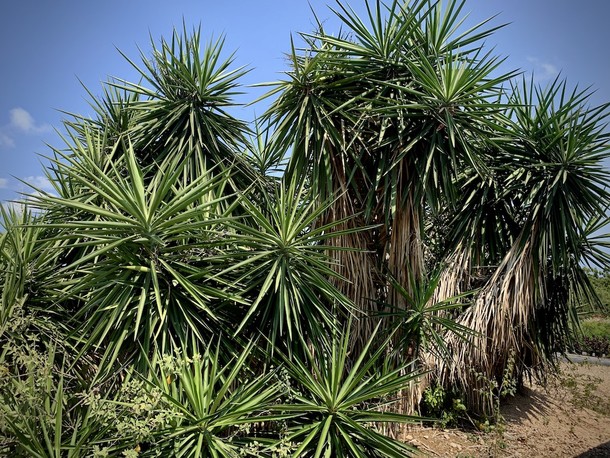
column 48, row 47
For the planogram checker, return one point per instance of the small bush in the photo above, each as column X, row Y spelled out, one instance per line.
column 593, row 345
column 448, row 407
column 595, row 338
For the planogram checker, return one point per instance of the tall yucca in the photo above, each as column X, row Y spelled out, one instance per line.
column 555, row 187
column 141, row 190
column 384, row 116
column 310, row 122
column 169, row 242
column 179, row 108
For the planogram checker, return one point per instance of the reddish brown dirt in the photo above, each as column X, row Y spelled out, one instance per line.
column 570, row 417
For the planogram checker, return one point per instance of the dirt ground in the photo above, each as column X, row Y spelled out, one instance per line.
column 568, row 418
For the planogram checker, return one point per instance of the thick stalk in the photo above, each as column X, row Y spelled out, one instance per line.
column 405, row 261
column 501, row 318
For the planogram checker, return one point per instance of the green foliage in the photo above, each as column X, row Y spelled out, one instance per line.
column 340, row 400
column 596, row 327
column 215, row 405
column 145, row 235
column 423, row 325
column 170, row 227
column 40, row 411
column 190, row 406
column 28, row 268
column 447, row 407
column 180, row 108
column 494, row 390
column 593, row 337
column 583, row 389
column 284, row 265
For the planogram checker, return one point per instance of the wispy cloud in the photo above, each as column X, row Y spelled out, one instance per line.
column 26, row 199
column 39, row 182
column 19, row 206
column 5, row 140
column 20, row 122
column 3, row 183
column 542, row 70
column 24, row 122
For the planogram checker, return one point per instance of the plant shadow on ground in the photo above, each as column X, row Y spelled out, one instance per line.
column 580, row 390
column 525, row 405
column 600, row 451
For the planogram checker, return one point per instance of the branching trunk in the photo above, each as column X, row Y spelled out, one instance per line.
column 501, row 317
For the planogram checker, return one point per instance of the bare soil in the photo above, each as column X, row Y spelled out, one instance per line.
column 570, row 417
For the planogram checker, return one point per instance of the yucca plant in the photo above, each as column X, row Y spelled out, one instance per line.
column 139, row 281
column 206, row 407
column 387, row 114
column 424, row 325
column 38, row 414
column 41, row 414
column 267, row 158
column 282, row 264
column 30, row 285
column 28, row 261
column 555, row 187
column 167, row 230
column 141, row 191
column 339, row 401
column 113, row 117
column 180, row 108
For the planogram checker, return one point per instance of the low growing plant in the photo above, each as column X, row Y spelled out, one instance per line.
column 448, row 407
column 593, row 338
column 340, row 402
column 593, row 345
column 196, row 405
column 582, row 389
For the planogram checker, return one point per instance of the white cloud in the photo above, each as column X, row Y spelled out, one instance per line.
column 22, row 120
column 3, row 183
column 39, row 182
column 6, row 140
column 543, row 71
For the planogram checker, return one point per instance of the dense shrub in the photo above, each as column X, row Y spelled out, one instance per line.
column 594, row 338
column 593, row 345
column 601, row 283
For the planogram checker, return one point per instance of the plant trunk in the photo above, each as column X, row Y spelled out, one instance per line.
column 501, row 318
